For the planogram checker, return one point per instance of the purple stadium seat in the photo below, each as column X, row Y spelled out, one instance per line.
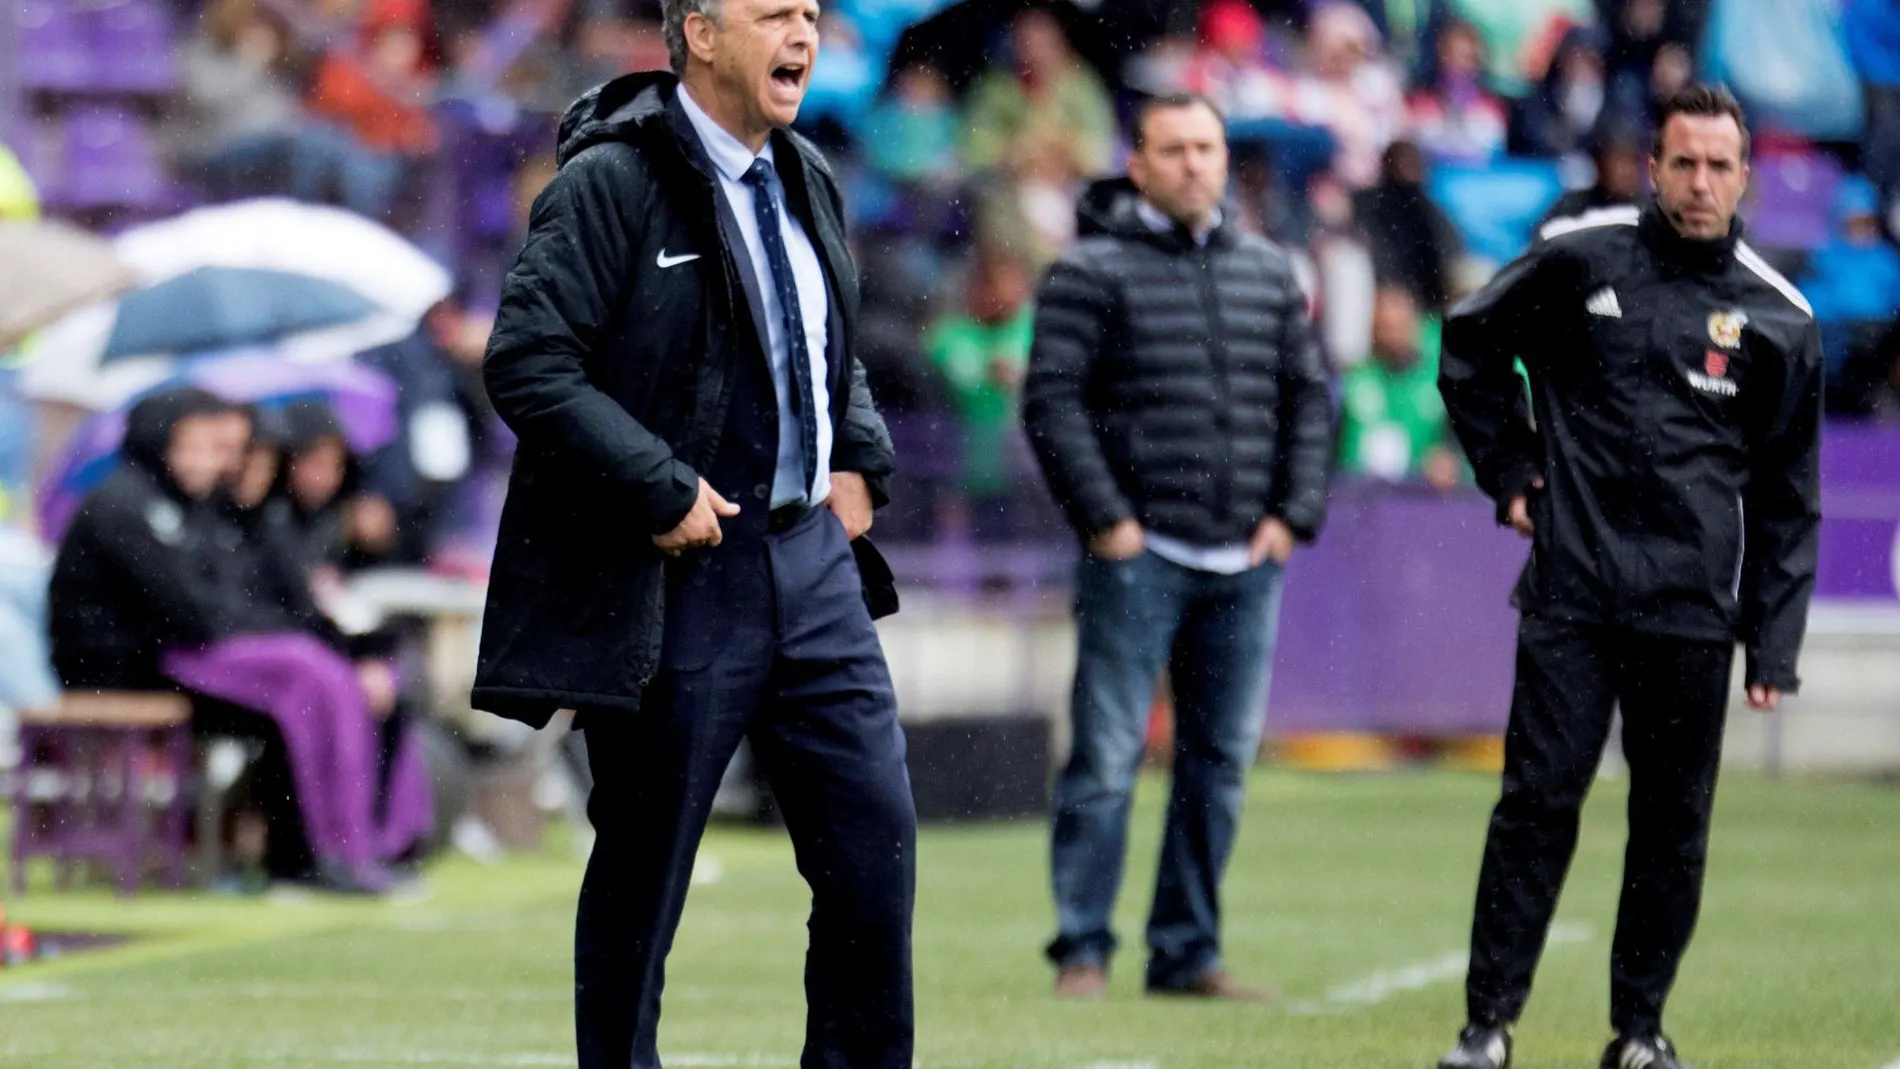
column 132, row 47
column 109, row 162
column 485, row 142
column 1793, row 195
column 52, row 42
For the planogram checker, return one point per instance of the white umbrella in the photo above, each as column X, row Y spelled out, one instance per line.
column 47, row 269
column 270, row 234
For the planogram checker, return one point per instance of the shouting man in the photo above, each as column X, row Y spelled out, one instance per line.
column 681, row 558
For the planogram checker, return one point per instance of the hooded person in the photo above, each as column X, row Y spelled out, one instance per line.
column 1414, row 245
column 263, row 579
column 1562, row 115
column 258, row 559
column 336, row 523
column 129, row 583
column 316, row 476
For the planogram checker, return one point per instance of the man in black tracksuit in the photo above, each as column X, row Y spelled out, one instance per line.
column 1666, row 473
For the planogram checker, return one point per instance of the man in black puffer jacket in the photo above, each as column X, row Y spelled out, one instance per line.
column 1178, row 404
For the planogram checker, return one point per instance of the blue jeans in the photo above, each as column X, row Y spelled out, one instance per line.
column 1215, row 634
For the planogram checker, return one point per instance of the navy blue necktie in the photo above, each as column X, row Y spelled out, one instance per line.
column 763, row 180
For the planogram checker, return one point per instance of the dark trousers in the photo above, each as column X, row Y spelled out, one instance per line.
column 1673, row 694
column 767, row 639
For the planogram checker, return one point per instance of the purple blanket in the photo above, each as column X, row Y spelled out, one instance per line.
column 311, row 692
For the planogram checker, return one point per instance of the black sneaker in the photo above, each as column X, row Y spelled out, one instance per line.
column 1641, row 1052
column 1480, row 1047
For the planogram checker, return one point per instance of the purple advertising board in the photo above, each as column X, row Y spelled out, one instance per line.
column 1398, row 620
column 1860, row 514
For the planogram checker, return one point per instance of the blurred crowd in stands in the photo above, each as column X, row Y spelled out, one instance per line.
column 1404, row 147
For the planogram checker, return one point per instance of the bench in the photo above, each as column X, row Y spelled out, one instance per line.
column 102, row 779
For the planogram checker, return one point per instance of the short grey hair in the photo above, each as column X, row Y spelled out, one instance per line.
column 673, row 26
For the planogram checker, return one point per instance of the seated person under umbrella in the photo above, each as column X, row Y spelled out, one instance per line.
column 136, row 603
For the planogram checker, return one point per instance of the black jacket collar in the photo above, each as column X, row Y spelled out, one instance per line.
column 1108, row 207
column 1686, row 254
column 644, row 108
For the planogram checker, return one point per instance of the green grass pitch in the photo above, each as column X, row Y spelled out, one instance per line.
column 1351, row 894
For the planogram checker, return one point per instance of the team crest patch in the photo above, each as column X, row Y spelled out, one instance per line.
column 1725, row 328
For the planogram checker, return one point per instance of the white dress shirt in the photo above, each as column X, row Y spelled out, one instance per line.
column 731, row 159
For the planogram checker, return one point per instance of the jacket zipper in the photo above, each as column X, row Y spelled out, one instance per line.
column 1217, row 353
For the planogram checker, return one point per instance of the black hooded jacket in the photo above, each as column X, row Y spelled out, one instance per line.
column 1176, row 383
column 1413, row 243
column 1676, row 396
column 613, row 360
column 258, row 557
column 131, row 579
column 316, row 535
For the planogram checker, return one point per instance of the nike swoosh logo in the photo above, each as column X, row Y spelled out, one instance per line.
column 675, row 261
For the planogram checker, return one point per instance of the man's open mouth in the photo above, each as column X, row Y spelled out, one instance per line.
column 789, row 75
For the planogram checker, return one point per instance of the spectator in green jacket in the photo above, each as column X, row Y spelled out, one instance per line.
column 1392, row 420
column 982, row 351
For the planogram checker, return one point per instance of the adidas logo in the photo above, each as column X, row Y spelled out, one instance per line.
column 1603, row 303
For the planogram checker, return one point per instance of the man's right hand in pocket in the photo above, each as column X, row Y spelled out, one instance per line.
column 1124, row 541
column 1519, row 513
column 700, row 528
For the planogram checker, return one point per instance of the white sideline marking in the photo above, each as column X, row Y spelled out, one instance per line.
column 1895, row 1064
column 420, row 1057
column 1377, row 987
column 371, row 992
column 525, row 1060
column 35, row 993
column 707, row 871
